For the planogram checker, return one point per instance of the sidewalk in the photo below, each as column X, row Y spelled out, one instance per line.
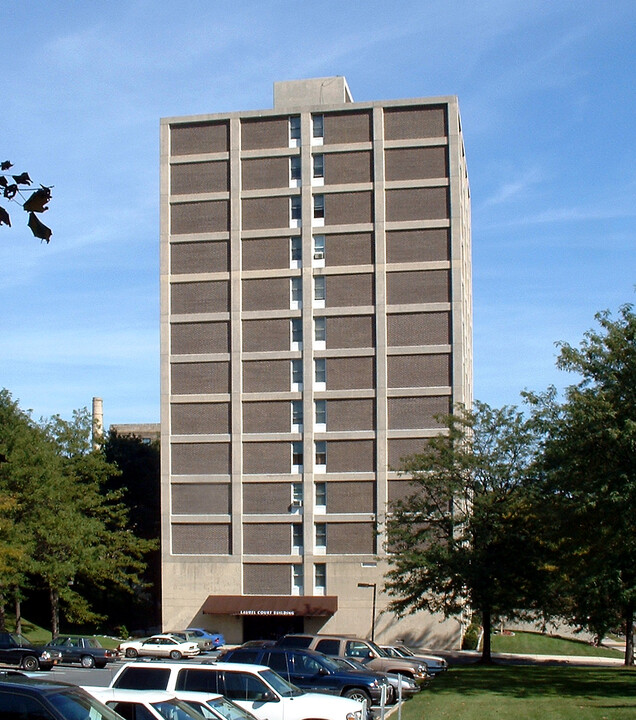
column 464, row 657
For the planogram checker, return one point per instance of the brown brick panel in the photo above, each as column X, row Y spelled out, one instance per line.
column 405, row 246
column 267, row 538
column 204, row 177
column 200, row 217
column 267, row 212
column 197, row 257
column 200, row 337
column 349, row 290
column 356, row 414
column 429, row 203
column 348, row 497
column 350, row 331
column 267, row 417
column 266, row 294
column 348, row 208
column 418, row 370
column 201, row 499
column 420, row 286
column 266, row 579
column 200, row 378
column 412, row 123
column 200, row 459
column 349, row 249
column 266, row 376
column 200, row 418
column 399, row 490
column 351, row 538
column 347, row 127
column 266, row 335
column 350, row 456
column 343, row 168
column 400, row 448
column 413, row 329
column 416, row 412
column 265, row 254
column 266, row 458
column 200, row 539
column 259, row 173
column 198, row 138
column 264, row 133
column 350, row 373
column 200, row 297
column 416, row 163
column 273, row 497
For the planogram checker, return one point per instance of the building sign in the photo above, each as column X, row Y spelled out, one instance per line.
column 267, row 612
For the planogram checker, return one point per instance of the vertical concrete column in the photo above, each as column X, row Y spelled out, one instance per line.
column 236, row 339
column 379, row 226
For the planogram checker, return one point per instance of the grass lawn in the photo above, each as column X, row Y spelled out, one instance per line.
column 529, row 643
column 529, row 692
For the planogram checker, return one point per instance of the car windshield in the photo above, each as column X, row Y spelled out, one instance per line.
column 79, row 706
column 229, row 710
column 404, row 651
column 281, row 686
column 392, row 652
column 176, row 710
column 20, row 640
column 377, row 649
column 328, row 662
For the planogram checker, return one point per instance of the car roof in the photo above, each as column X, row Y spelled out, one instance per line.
column 201, row 666
column 124, row 694
column 30, row 682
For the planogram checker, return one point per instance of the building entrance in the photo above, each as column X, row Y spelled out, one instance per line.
column 259, row 627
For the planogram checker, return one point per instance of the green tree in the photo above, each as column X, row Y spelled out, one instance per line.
column 13, row 187
column 465, row 538
column 589, row 466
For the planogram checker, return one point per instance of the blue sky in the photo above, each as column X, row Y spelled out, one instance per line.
column 546, row 92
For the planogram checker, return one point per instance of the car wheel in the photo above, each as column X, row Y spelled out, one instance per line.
column 30, row 662
column 87, row 661
column 175, row 655
column 131, row 652
column 357, row 694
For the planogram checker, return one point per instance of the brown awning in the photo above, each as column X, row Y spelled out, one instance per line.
column 270, row 605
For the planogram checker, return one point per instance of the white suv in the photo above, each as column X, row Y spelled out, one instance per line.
column 256, row 688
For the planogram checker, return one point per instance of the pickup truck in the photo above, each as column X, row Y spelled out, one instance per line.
column 17, row 650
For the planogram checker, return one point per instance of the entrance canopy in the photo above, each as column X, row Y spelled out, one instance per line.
column 271, row 605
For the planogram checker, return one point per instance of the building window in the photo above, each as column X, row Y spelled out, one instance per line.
column 320, row 289
column 320, row 579
column 294, row 167
column 297, row 538
column 296, row 293
column 319, row 248
column 296, row 333
column 297, row 579
column 297, row 413
column 296, row 208
column 321, row 412
column 321, row 537
column 320, row 329
column 321, row 461
column 319, row 207
column 297, row 374
column 294, row 128
column 296, row 250
column 320, row 371
column 297, row 488
column 318, row 126
column 297, row 462
column 319, row 166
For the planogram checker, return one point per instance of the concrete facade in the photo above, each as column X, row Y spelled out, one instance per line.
column 316, row 315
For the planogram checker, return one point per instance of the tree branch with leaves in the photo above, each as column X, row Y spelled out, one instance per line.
column 15, row 186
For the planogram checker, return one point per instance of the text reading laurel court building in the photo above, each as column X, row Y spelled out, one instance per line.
column 315, row 317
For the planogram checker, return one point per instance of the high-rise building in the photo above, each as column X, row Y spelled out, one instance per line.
column 316, row 317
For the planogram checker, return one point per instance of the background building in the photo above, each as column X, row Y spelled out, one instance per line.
column 316, row 317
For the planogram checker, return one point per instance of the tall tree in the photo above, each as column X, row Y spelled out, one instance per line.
column 590, row 474
column 465, row 537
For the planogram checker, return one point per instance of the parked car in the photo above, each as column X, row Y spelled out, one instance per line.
column 434, row 663
column 217, row 639
column 15, row 649
column 30, row 697
column 365, row 651
column 144, row 704
column 315, row 672
column 85, row 650
column 402, row 686
column 214, row 707
column 159, row 646
column 205, row 644
column 255, row 688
